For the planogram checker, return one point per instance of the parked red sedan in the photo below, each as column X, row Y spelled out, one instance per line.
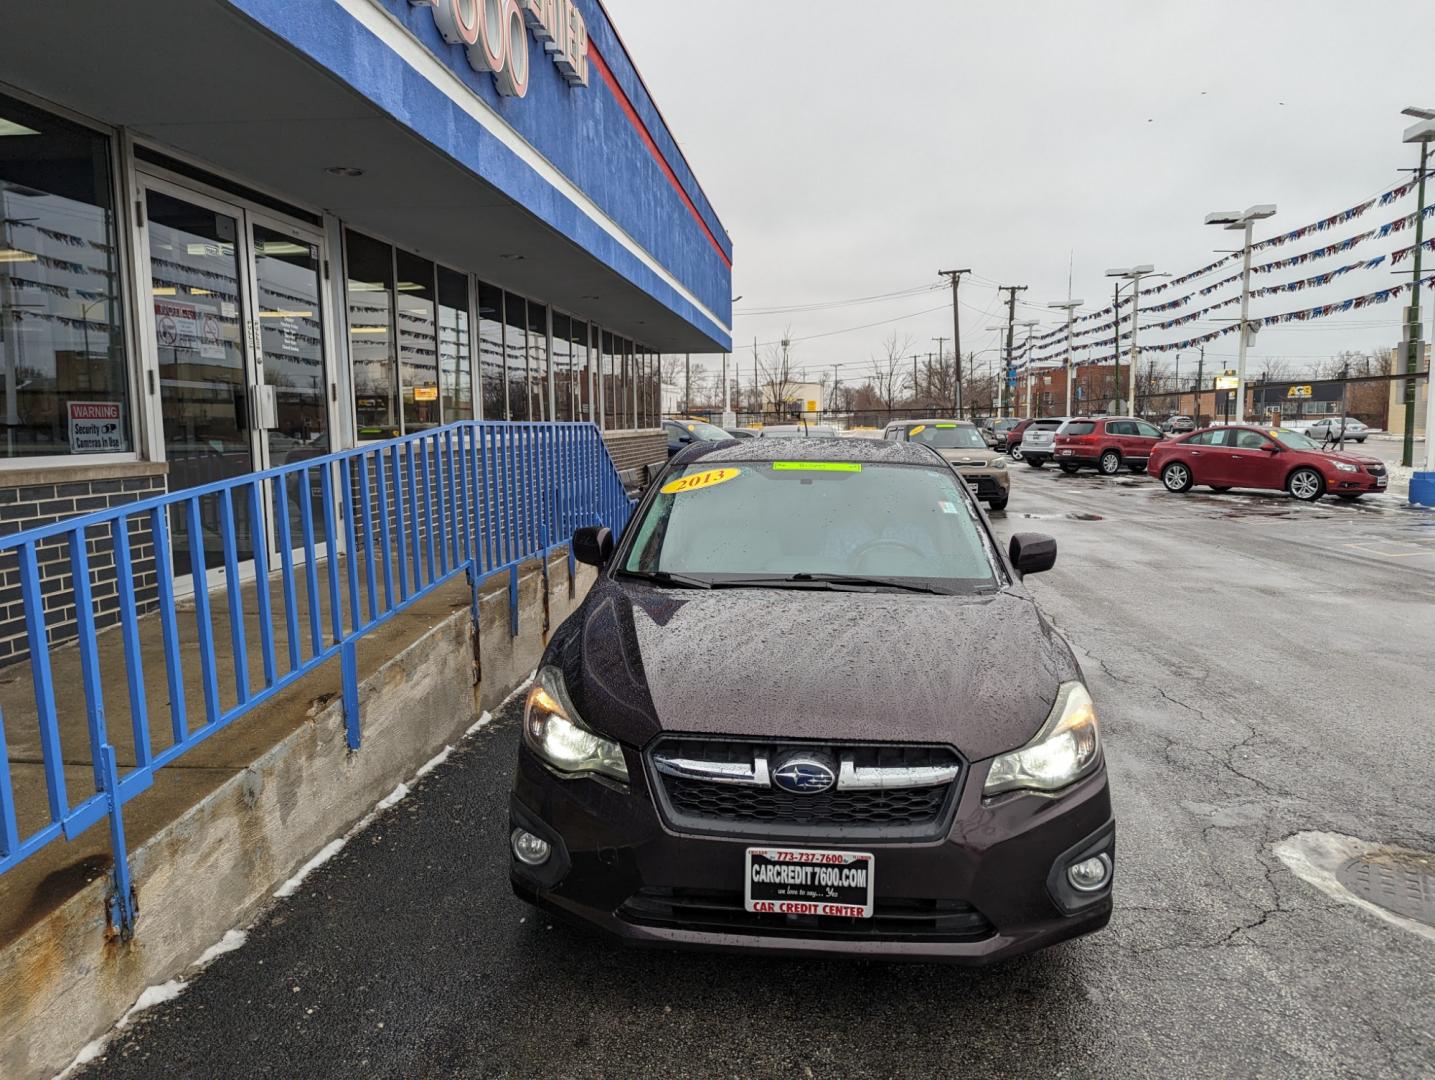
column 1274, row 458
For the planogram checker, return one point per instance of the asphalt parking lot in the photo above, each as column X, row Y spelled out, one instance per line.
column 1261, row 668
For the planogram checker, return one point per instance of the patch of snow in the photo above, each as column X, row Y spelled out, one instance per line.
column 393, row 798
column 433, row 763
column 232, row 939
column 483, row 721
column 1315, row 857
column 153, row 995
column 327, row 852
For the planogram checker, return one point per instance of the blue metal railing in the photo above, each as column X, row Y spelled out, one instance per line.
column 384, row 525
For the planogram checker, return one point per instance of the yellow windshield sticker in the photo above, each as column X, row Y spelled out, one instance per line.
column 916, row 430
column 816, row 466
column 945, row 427
column 698, row 481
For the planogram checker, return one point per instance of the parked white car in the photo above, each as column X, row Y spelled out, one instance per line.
column 1330, row 428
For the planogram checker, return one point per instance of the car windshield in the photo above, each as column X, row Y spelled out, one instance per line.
column 702, row 431
column 1293, row 440
column 947, row 436
column 783, row 522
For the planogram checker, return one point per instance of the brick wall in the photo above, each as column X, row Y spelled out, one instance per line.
column 634, row 451
column 33, row 498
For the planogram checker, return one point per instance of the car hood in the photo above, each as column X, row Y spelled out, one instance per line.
column 1351, row 459
column 971, row 456
column 978, row 673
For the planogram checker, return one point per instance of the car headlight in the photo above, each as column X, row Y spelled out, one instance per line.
column 552, row 730
column 1345, row 467
column 1063, row 751
column 999, row 463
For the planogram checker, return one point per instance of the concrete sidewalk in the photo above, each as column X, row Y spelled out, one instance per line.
column 234, row 816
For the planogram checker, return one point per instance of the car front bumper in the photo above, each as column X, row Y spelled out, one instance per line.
column 1003, row 862
column 987, row 483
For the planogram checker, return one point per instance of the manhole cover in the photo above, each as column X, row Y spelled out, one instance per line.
column 1404, row 884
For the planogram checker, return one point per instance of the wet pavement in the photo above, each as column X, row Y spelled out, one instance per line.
column 1262, row 669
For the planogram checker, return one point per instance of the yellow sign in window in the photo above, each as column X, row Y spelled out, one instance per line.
column 697, row 481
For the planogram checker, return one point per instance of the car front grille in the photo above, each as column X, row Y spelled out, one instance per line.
column 724, row 912
column 882, row 790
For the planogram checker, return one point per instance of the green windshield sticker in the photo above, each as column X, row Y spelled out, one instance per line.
column 945, row 427
column 816, row 466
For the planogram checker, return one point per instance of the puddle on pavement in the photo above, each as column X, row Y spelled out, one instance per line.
column 1062, row 517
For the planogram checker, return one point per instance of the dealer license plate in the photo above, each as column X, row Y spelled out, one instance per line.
column 791, row 881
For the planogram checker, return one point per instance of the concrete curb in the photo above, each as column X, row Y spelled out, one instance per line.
column 67, row 980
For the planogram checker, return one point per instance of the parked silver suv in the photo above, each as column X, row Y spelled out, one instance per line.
column 1036, row 440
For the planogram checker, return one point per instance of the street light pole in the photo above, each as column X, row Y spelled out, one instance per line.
column 1243, row 223
column 1422, row 133
column 1133, row 274
column 1069, row 306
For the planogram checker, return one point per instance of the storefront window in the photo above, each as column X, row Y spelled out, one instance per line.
column 454, row 346
column 565, row 384
column 490, row 352
column 371, row 340
column 610, row 372
column 538, row 360
column 583, row 361
column 61, row 339
column 515, row 351
column 418, row 342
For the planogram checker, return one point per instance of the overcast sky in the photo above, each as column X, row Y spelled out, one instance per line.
column 855, row 149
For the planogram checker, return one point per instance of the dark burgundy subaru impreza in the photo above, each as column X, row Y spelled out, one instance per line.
column 809, row 708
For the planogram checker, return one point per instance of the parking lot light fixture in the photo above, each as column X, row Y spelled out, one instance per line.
column 1132, row 274
column 1243, row 221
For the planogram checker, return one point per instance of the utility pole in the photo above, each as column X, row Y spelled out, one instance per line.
column 1178, row 382
column 956, row 276
column 688, row 384
column 1011, row 291
column 756, row 389
column 1200, row 374
column 941, row 341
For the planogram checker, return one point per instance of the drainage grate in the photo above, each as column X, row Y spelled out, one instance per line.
column 1404, row 884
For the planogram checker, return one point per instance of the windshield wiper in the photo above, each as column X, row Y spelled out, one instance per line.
column 664, row 577
column 858, row 579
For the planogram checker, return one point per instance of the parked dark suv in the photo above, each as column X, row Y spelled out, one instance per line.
column 1105, row 444
column 784, row 720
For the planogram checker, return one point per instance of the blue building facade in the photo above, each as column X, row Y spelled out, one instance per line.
column 238, row 233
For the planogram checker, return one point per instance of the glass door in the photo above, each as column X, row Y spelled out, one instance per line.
column 199, row 302
column 288, row 295
column 240, row 353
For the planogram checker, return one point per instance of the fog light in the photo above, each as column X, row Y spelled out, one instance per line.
column 533, row 850
column 1089, row 874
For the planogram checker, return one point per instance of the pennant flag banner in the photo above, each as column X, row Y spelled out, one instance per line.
column 1401, row 254
column 1319, row 279
column 1337, row 219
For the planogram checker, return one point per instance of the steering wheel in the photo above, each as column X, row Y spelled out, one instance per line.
column 860, row 556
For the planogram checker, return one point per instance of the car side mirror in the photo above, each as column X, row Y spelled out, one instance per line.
column 1032, row 553
column 593, row 544
column 1271, row 448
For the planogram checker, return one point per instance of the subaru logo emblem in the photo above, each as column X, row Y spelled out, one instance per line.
column 804, row 776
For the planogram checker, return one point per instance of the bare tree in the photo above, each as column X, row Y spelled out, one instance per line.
column 889, row 368
column 779, row 378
